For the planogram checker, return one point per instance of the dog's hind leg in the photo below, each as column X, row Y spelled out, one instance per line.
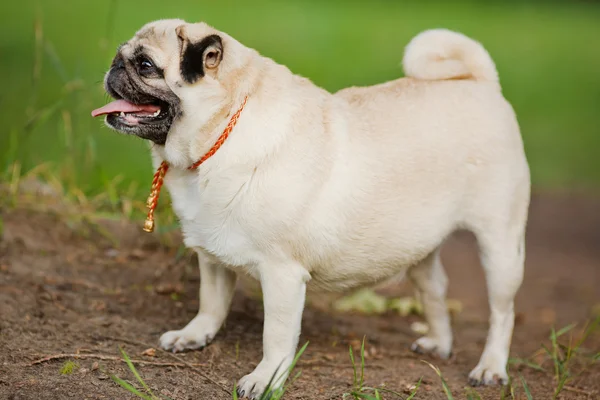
column 502, row 251
column 430, row 279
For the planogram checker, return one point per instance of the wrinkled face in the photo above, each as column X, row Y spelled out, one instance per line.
column 150, row 73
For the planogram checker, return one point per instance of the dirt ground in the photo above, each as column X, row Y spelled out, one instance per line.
column 64, row 293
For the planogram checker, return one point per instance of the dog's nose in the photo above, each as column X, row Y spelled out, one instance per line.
column 118, row 62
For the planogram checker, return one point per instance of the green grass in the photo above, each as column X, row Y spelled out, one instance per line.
column 275, row 389
column 69, row 367
column 145, row 393
column 55, row 52
column 445, row 386
column 360, row 390
column 526, row 389
column 563, row 356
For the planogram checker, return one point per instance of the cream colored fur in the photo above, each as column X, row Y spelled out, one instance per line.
column 342, row 190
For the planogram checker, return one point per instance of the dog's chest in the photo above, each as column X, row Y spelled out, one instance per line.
column 211, row 216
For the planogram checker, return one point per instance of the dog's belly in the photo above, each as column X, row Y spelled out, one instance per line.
column 376, row 258
column 357, row 273
column 367, row 238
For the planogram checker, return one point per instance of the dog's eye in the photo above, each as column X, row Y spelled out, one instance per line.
column 146, row 65
column 147, row 69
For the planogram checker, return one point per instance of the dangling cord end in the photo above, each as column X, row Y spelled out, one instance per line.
column 152, row 201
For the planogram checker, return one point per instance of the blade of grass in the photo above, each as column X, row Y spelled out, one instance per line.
column 269, row 392
column 15, row 179
column 287, row 386
column 444, row 384
column 134, row 371
column 554, row 354
column 10, row 155
column 527, row 363
column 295, row 360
column 275, row 394
column 526, row 388
column 235, row 395
column 362, row 363
column 127, row 386
column 565, row 330
column 353, row 367
column 381, row 389
column 554, row 359
column 561, row 384
column 590, row 328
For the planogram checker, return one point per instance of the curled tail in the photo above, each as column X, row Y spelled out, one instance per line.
column 439, row 54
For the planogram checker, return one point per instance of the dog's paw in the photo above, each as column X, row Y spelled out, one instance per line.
column 252, row 386
column 489, row 371
column 197, row 334
column 435, row 346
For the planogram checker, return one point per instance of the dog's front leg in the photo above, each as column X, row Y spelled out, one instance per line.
column 284, row 290
column 217, row 285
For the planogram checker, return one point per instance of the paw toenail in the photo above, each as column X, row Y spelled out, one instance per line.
column 474, row 382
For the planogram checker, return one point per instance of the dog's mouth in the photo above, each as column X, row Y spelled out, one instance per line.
column 132, row 114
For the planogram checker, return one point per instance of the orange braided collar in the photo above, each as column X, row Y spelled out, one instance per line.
column 160, row 173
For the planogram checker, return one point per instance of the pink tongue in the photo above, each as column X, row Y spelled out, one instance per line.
column 119, row 106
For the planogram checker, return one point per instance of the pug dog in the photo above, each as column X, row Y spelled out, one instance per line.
column 300, row 187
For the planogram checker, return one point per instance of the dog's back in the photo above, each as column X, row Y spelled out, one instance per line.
column 446, row 125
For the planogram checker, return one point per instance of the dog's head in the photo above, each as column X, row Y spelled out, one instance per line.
column 165, row 74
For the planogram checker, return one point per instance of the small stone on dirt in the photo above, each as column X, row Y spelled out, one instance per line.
column 149, row 352
column 169, row 288
column 409, row 388
column 111, row 253
column 137, row 254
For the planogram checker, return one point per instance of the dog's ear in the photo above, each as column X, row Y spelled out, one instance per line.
column 197, row 57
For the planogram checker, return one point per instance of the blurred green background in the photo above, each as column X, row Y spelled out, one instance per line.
column 53, row 55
